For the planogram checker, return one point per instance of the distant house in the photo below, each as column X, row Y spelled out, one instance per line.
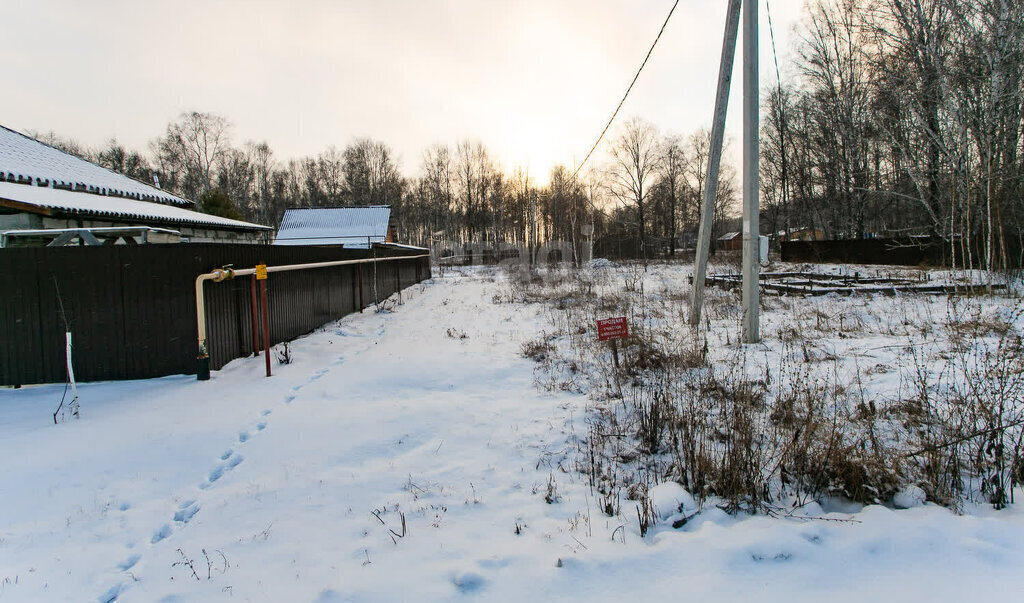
column 45, row 189
column 803, row 233
column 357, row 227
column 731, row 241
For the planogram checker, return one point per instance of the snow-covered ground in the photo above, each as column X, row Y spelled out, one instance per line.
column 409, row 456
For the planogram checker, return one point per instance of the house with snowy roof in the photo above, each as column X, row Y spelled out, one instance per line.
column 731, row 241
column 354, row 227
column 51, row 196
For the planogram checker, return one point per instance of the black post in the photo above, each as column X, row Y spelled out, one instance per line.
column 203, row 366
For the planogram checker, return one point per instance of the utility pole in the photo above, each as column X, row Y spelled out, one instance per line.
column 732, row 22
column 751, row 201
column 751, row 192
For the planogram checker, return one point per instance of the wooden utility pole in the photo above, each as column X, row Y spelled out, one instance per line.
column 732, row 22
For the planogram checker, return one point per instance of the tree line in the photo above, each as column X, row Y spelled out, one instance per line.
column 645, row 194
column 903, row 117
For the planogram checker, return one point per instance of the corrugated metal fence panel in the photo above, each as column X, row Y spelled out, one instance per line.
column 21, row 347
column 97, row 330
column 132, row 309
column 905, row 251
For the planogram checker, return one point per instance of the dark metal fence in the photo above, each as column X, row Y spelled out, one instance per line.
column 132, row 309
column 908, row 251
column 897, row 252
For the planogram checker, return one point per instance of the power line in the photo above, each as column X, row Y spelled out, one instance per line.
column 775, row 52
column 626, row 95
column 782, row 117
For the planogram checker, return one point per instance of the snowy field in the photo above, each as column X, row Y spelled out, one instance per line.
column 411, row 456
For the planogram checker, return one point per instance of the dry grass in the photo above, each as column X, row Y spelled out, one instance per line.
column 797, row 424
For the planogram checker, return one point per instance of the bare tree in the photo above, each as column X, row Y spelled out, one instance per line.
column 265, row 207
column 635, row 159
column 235, row 179
column 125, row 161
column 913, row 45
column 330, row 167
column 474, row 176
column 696, row 173
column 371, row 173
column 192, row 147
column 564, row 209
column 437, row 189
column 68, row 145
column 835, row 65
column 674, row 163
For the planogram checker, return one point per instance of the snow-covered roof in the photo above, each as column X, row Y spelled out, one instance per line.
column 729, row 236
column 100, row 206
column 348, row 226
column 43, row 179
column 26, row 160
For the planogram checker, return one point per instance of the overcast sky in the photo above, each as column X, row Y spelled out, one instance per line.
column 534, row 80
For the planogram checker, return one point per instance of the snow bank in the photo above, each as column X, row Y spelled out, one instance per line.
column 670, row 498
column 601, row 264
column 909, row 497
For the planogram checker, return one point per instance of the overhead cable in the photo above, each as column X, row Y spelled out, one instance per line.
column 626, row 95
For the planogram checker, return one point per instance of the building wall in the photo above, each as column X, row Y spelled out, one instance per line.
column 805, row 234
column 733, row 244
column 20, row 221
column 191, row 234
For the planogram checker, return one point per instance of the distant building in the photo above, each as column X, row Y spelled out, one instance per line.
column 45, row 189
column 802, row 233
column 731, row 241
column 356, row 227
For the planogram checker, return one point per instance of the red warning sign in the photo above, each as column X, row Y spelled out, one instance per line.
column 612, row 328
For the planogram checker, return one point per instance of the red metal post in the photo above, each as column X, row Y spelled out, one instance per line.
column 255, row 317
column 266, row 323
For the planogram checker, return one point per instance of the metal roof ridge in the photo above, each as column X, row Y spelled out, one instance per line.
column 173, row 199
column 340, row 207
column 92, row 189
column 139, row 210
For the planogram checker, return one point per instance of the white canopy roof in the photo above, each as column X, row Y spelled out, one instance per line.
column 100, row 207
